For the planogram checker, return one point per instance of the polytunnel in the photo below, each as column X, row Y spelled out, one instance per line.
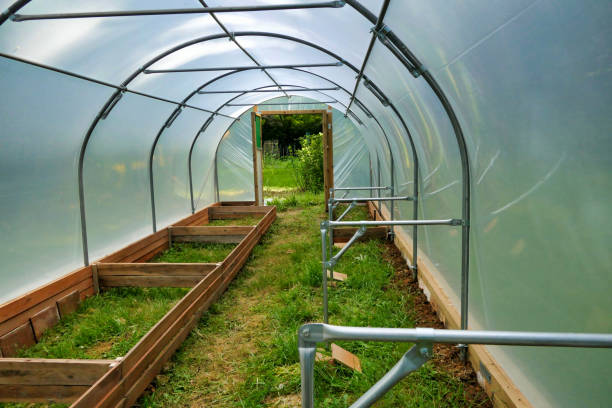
column 124, row 120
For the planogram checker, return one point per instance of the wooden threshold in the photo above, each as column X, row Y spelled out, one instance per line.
column 495, row 381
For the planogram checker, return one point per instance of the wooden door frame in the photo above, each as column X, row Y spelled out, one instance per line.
column 328, row 150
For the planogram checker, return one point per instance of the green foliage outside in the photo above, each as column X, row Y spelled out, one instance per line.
column 310, row 163
column 288, row 129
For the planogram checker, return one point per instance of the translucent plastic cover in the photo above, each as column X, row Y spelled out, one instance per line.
column 530, row 83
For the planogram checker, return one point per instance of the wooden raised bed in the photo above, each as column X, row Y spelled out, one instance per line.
column 119, row 383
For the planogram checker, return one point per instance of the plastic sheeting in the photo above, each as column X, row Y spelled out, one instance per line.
column 532, row 96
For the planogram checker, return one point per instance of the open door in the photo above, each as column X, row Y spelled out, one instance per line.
column 257, row 156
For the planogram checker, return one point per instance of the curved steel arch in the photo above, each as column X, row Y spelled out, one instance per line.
column 193, row 93
column 113, row 100
column 207, row 123
column 415, row 67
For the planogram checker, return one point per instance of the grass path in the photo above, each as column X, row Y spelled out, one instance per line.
column 243, row 353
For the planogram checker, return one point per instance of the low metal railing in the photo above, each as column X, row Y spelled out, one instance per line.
column 309, row 335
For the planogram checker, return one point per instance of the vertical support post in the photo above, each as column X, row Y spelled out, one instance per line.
column 392, row 230
column 415, row 216
column 378, row 184
column 95, row 279
column 217, row 171
column 324, row 268
column 307, row 351
column 257, row 155
column 328, row 153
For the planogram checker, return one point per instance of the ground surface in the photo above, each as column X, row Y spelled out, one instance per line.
column 243, row 352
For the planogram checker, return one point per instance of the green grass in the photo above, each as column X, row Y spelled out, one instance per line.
column 195, row 252
column 244, row 350
column 250, row 220
column 279, row 174
column 108, row 325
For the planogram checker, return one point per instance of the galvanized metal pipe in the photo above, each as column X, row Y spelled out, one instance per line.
column 311, row 334
column 363, row 199
column 352, row 205
column 270, row 90
column 242, row 68
column 450, row 221
column 360, row 188
column 319, row 332
column 280, row 104
column 207, row 10
column 358, row 234
column 324, row 267
column 411, row 361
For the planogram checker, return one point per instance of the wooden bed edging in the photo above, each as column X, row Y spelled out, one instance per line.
column 48, row 380
column 20, row 319
column 123, row 384
column 496, row 383
column 220, row 234
column 149, row 275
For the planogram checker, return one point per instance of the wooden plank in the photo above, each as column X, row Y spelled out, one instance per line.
column 101, row 389
column 234, row 203
column 123, row 253
column 501, row 389
column 41, row 321
column 18, row 338
column 212, row 230
column 95, row 278
column 337, row 276
column 151, row 281
column 211, row 239
column 344, row 234
column 345, row 357
column 161, row 269
column 145, row 257
column 69, row 303
column 234, row 212
column 83, row 287
column 63, row 394
column 42, row 371
column 33, row 298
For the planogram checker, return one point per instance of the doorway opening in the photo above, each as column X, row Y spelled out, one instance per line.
column 292, row 151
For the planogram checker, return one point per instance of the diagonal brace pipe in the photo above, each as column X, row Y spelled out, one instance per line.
column 334, row 260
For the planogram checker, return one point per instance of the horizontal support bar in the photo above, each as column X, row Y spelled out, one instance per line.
column 241, row 68
column 287, row 103
column 203, row 10
column 270, row 90
column 154, row 268
column 451, row 221
column 362, row 199
column 360, row 188
column 108, row 84
column 319, row 332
